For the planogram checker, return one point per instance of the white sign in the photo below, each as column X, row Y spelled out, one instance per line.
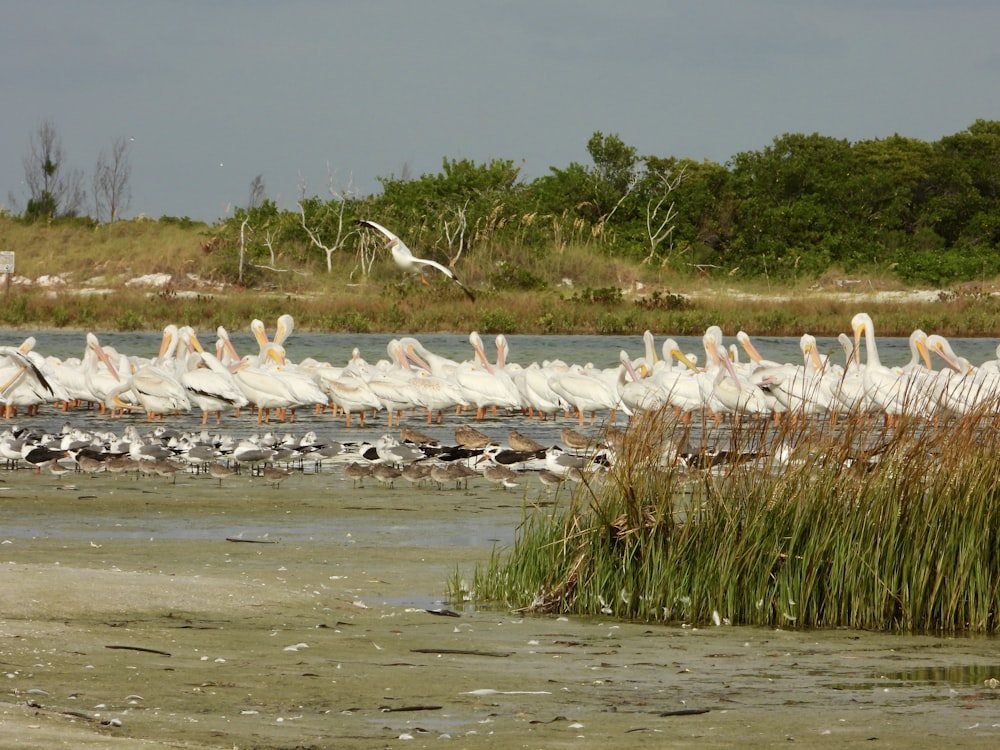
column 7, row 262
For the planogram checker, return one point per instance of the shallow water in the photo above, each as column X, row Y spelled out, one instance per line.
column 310, row 628
column 602, row 351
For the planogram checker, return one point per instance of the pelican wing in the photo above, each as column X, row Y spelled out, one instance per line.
column 400, row 249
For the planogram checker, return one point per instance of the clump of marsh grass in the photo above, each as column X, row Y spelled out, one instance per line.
column 802, row 524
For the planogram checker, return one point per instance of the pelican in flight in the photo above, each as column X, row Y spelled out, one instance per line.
column 406, row 260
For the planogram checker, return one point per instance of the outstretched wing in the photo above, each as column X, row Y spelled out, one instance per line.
column 408, row 259
column 447, row 272
column 378, row 228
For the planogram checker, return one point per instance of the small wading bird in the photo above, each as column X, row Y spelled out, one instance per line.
column 406, row 260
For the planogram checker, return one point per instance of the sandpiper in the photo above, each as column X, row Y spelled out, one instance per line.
column 523, row 443
column 470, row 437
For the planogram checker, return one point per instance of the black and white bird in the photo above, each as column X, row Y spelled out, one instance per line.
column 407, row 261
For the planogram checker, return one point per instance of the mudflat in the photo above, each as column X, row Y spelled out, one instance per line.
column 152, row 613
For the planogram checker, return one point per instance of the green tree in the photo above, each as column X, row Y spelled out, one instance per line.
column 788, row 213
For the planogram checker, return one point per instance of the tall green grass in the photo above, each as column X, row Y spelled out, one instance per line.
column 806, row 526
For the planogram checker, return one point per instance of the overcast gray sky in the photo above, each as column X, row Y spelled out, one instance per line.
column 215, row 93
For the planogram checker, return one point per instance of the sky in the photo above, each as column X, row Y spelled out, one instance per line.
column 321, row 94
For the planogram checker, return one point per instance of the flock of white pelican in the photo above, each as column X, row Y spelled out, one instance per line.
column 719, row 381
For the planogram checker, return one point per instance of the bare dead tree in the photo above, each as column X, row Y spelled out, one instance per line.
column 633, row 181
column 368, row 248
column 337, row 206
column 258, row 194
column 111, row 189
column 244, row 225
column 453, row 232
column 269, row 244
column 660, row 227
column 54, row 189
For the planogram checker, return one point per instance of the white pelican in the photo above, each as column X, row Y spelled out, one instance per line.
column 78, row 376
column 963, row 388
column 679, row 383
column 799, row 388
column 22, row 382
column 302, row 386
column 211, row 386
column 755, row 357
column 484, row 385
column 156, row 391
column 436, row 394
column 263, row 388
column 588, row 391
column 285, row 326
column 736, row 394
column 424, row 358
column 391, row 382
column 352, row 395
column 892, row 391
column 532, row 383
column 640, row 392
column 407, row 261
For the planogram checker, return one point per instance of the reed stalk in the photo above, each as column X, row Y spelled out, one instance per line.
column 799, row 524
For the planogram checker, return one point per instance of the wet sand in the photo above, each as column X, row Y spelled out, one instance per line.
column 128, row 619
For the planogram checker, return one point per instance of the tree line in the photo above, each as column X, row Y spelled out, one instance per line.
column 925, row 212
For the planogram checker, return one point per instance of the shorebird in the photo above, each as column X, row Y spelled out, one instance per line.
column 549, row 479
column 275, row 476
column 576, row 440
column 523, row 443
column 409, row 435
column 165, row 467
column 470, row 437
column 500, row 475
column 357, row 472
column 220, row 471
column 386, row 474
column 416, row 473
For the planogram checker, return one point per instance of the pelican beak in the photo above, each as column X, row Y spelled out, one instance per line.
column 103, row 355
column 948, row 359
column 681, row 357
column 814, row 356
column 257, row 329
column 196, row 344
column 9, row 383
column 409, row 355
column 924, row 354
column 630, row 368
column 165, row 344
column 228, row 348
column 478, row 346
column 751, row 350
column 121, row 404
column 721, row 355
column 858, row 332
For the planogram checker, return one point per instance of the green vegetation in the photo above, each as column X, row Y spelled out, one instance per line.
column 626, row 243
column 852, row 526
column 899, row 208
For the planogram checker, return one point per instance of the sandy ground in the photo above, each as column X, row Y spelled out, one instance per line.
column 128, row 619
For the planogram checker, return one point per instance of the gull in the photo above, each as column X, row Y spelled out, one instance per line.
column 406, row 260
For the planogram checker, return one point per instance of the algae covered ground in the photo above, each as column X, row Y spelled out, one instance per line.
column 159, row 614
